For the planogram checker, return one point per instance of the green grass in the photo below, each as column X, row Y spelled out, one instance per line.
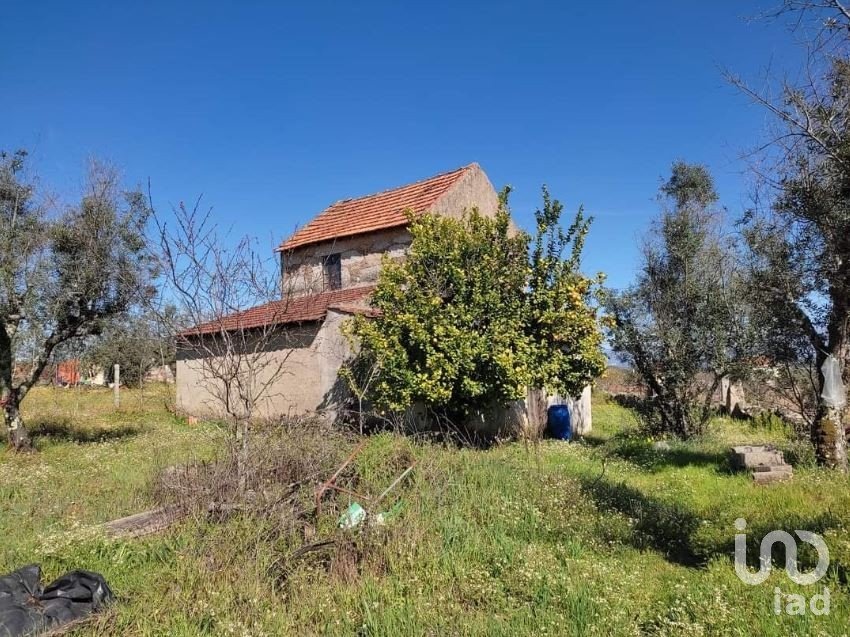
column 517, row 539
column 93, row 464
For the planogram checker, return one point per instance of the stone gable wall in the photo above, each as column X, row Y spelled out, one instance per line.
column 360, row 260
column 360, row 256
column 473, row 190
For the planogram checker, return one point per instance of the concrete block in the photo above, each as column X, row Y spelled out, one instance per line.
column 774, row 474
column 750, row 456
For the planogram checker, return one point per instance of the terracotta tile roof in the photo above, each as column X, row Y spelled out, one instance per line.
column 374, row 212
column 301, row 309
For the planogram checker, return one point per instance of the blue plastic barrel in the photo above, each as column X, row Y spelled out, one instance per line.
column 558, row 422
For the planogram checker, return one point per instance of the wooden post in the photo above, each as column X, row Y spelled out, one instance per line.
column 116, row 387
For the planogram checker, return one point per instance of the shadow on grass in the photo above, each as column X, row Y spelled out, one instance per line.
column 807, row 557
column 66, row 431
column 676, row 457
column 680, row 534
column 645, row 456
column 660, row 526
column 592, row 440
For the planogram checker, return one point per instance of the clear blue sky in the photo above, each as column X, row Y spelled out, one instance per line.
column 273, row 110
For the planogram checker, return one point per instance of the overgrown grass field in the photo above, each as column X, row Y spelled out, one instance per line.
column 608, row 536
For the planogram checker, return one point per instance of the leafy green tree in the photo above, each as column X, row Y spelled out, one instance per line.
column 472, row 317
column 136, row 343
column 560, row 324
column 684, row 321
column 63, row 275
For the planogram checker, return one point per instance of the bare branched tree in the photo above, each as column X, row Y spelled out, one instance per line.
column 225, row 303
column 360, row 375
column 819, row 25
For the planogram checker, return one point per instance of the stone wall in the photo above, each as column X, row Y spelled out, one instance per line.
column 581, row 412
column 473, row 190
column 360, row 260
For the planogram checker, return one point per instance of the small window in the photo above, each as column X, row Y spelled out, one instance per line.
column 332, row 272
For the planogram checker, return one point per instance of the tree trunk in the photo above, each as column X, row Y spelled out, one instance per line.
column 19, row 439
column 829, row 438
column 242, row 455
column 10, row 398
column 705, row 413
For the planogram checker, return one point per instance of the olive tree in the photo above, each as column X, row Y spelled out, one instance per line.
column 800, row 240
column 683, row 325
column 137, row 343
column 64, row 274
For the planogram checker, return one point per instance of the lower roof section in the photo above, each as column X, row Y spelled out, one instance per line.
column 299, row 309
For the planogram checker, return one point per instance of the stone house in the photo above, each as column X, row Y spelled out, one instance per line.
column 343, row 246
column 329, row 268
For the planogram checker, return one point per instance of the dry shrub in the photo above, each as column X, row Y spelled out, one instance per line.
column 272, row 478
column 357, row 553
column 267, row 497
column 399, row 458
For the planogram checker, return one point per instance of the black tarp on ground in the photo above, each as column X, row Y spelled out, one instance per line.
column 28, row 609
